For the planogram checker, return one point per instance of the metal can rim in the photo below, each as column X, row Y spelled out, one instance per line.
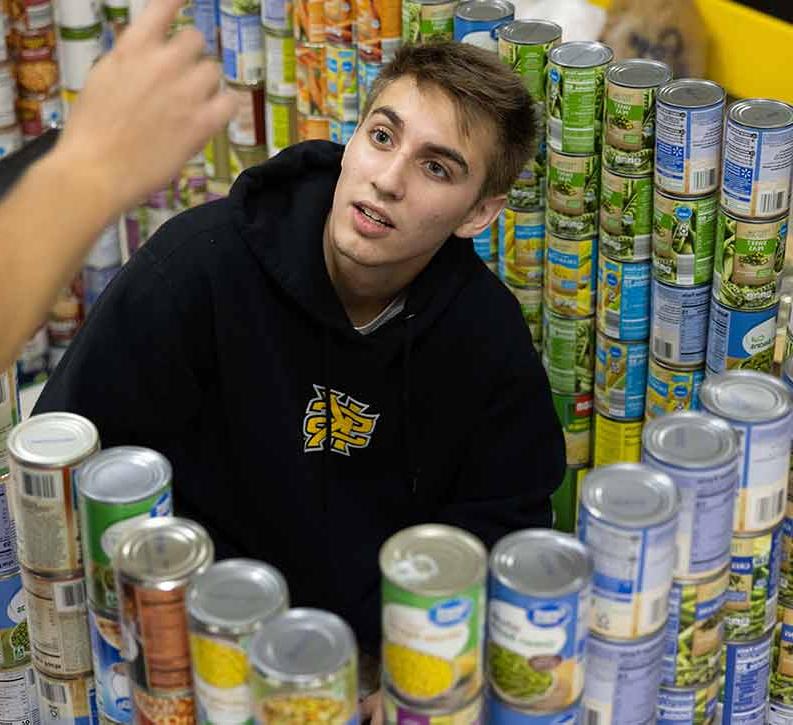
column 79, row 426
column 510, row 31
column 746, row 105
column 711, row 387
column 655, row 430
column 603, row 52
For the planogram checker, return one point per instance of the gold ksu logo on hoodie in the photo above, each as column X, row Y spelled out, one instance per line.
column 351, row 426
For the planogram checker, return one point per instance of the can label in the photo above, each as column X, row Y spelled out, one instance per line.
column 206, row 22
column 9, row 417
column 481, row 33
column 397, row 713
column 312, row 128
column 633, row 573
column 31, row 15
column 746, row 671
column 573, row 193
column 574, row 98
column 536, row 647
column 623, row 301
column 748, row 263
column 781, row 686
column 486, row 243
column 697, row 707
column 688, row 148
column 570, row 275
column 281, row 121
column 112, row 686
column 779, row 713
column 38, row 113
column 340, row 21
column 427, row 23
column 565, row 499
column 367, row 73
column 8, row 94
column 617, row 441
column 311, row 79
column 309, row 21
column 530, row 301
column 14, row 637
column 569, row 352
column 280, row 65
column 80, row 48
column 739, row 340
column 786, row 558
column 680, row 323
column 757, row 166
column 630, row 129
column 620, row 377
column 342, row 83
column 19, row 697
column 277, row 15
column 341, row 132
column 8, row 548
column 67, row 702
column 150, row 709
column 575, row 416
column 243, row 51
column 246, row 128
column 529, row 190
column 529, row 62
column 521, row 247
column 626, row 216
column 751, row 600
column 379, row 29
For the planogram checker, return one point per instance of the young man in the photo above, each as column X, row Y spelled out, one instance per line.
column 349, row 271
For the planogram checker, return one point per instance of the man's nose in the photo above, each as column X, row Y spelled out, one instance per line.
column 391, row 177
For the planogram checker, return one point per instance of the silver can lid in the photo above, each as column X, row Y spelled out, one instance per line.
column 124, row 474
column 236, row 596
column 163, row 551
column 581, row 54
column 541, row 562
column 53, row 439
column 485, row 10
column 632, row 495
column 691, row 440
column 302, row 646
column 434, row 560
column 639, row 73
column 761, row 113
column 745, row 396
column 530, row 32
column 691, row 93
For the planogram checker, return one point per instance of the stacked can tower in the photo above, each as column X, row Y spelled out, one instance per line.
column 310, row 69
column 10, row 132
column 280, row 113
column 378, row 28
column 80, row 44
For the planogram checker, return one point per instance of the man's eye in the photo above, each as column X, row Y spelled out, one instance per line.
column 379, row 136
column 437, row 170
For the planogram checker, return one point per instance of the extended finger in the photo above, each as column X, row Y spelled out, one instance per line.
column 153, row 24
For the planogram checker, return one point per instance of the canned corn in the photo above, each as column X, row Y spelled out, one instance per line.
column 367, row 73
column 570, row 275
column 626, row 215
column 620, row 377
column 573, row 193
column 679, row 333
column 341, row 74
column 575, row 416
column 623, row 300
column 616, row 441
column 521, row 247
column 568, row 352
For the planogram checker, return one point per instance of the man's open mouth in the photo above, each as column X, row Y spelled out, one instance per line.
column 375, row 216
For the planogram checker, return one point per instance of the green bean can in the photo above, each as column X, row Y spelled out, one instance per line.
column 569, row 352
column 781, row 687
column 626, row 216
column 573, row 193
column 530, row 301
column 684, row 236
column 575, row 415
column 427, row 21
column 119, row 487
column 748, row 261
column 524, row 46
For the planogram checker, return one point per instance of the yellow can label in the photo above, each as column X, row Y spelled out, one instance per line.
column 569, row 276
column 521, row 247
column 617, row 441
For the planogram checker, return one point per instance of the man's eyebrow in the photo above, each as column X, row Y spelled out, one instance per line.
column 391, row 115
column 450, row 154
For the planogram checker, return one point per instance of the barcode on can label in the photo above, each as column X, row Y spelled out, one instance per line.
column 69, row 596
column 703, row 180
column 40, row 485
column 769, row 508
column 53, row 692
column 772, row 202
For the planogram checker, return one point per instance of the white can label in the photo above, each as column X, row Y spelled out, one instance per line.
column 281, row 79
column 243, row 51
column 77, row 59
column 7, row 96
column 18, row 699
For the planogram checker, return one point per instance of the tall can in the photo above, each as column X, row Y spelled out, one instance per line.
column 280, row 64
column 246, row 127
column 573, row 194
column 568, row 352
column 19, row 695
column 311, row 79
column 427, row 21
column 740, row 340
column 113, row 697
column 9, row 414
column 341, row 71
column 626, row 216
column 524, row 46
column 528, row 191
column 341, row 132
column 477, row 22
column 67, row 701
column 280, row 118
column 242, row 42
column 570, row 275
column 521, row 247
column 679, row 332
column 620, row 377
column 309, row 21
column 379, row 28
column 277, row 16
column 79, row 50
column 14, row 632
column 623, row 300
column 670, row 390
column 9, row 563
column 616, row 441
column 747, row 666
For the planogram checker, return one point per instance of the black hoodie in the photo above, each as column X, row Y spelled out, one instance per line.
column 217, row 341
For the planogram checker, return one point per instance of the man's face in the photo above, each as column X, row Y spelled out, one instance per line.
column 409, row 179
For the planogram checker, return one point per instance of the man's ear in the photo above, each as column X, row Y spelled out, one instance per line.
column 481, row 216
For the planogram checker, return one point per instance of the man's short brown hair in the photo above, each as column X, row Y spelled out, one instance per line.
column 483, row 90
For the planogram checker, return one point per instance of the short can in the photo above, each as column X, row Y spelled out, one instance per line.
column 528, row 192
column 629, row 115
column 679, row 332
column 622, row 680
column 748, row 262
column 570, row 275
column 530, row 301
column 758, row 158
column 277, row 16
column 280, row 119
column 623, row 300
column 740, row 339
column 341, row 131
column 31, row 14
column 9, row 563
column 10, row 139
column 8, row 94
column 779, row 713
column 113, row 697
column 781, row 684
column 242, row 41
column 309, row 20
column 313, row 128
column 39, row 112
column 427, row 21
column 311, row 79
column 340, row 22
column 419, row 663
column 477, row 22
column 524, row 46
column 628, row 518
column 14, row 636
column 759, row 408
column 19, row 696
column 538, row 619
column 786, row 555
column 154, row 562
column 378, row 26
column 626, row 216
column 498, row 712
column 280, row 65
column 616, row 441
column 400, row 713
column 684, row 237
column 46, row 452
column 564, row 500
column 695, row 706
column 368, row 71
column 9, row 417
column 689, row 113
column 79, row 49
column 574, row 96
column 747, row 666
column 521, row 247
column 67, row 701
column 58, row 621
column 246, row 127
column 119, row 488
column 695, row 631
column 575, row 416
column 700, row 454
column 341, row 73
column 620, row 377
column 151, row 708
column 317, row 681
column 226, row 606
column 573, row 193
column 569, row 352
column 671, row 390
column 241, row 158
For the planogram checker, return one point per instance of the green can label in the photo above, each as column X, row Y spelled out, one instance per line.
column 569, row 353
column 427, row 23
column 748, row 261
column 573, row 193
column 14, row 636
column 575, row 415
column 684, row 234
column 565, row 500
column 529, row 62
column 629, row 131
column 574, row 98
column 530, row 300
column 626, row 216
column 781, row 685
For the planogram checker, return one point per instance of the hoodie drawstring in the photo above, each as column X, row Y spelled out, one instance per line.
column 328, row 417
column 412, row 470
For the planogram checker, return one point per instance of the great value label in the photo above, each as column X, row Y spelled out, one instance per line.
column 739, row 340
column 623, row 300
column 669, row 391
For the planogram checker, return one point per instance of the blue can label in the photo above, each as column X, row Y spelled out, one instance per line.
column 620, row 377
column 341, row 131
column 680, row 323
column 746, row 673
column 14, row 637
column 243, row 48
column 500, row 713
column 623, row 300
column 688, row 707
column 779, row 713
column 207, row 23
column 112, row 685
column 94, row 283
column 741, row 340
column 486, row 243
column 481, row 33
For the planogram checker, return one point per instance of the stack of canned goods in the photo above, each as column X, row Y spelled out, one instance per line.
column 80, row 44
column 46, row 452
column 750, row 235
column 280, row 113
column 628, row 521
column 10, row 133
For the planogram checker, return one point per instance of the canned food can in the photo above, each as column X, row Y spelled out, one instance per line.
column 573, row 193
column 747, row 666
column 679, row 333
column 309, row 20
column 280, row 64
column 8, row 94
column 37, row 113
column 629, row 115
column 759, row 408
column 570, row 275
column 311, row 79
column 32, row 45
column 417, row 663
column 779, row 713
column 206, row 22
column 67, row 701
column 58, row 621
column 626, row 216
column 620, row 377
column 246, row 128
column 538, row 616
column 379, row 29
column 113, row 698
column 9, row 417
column 31, row 14
column 399, row 713
column 65, row 316
column 8, row 548
column 427, row 21
column 758, row 158
column 575, row 416
column 340, row 22
column 38, row 76
column 477, row 22
column 530, row 301
column 616, row 441
column 781, row 684
column 277, row 16
column 316, row 681
column 341, row 132
column 341, row 97
column 226, row 606
column 10, row 139
column 740, row 340
column 623, row 679
column 280, row 117
column 95, row 281
column 786, row 557
column 748, row 264
column 521, row 246
column 623, row 300
column 688, row 136
column 244, row 157
column 628, row 519
column 486, row 243
column 31, row 368
column 46, row 452
column 14, row 637
column 162, row 709
column 106, row 252
column 154, row 562
column 313, row 128
column 242, row 45
column 524, row 46
column 19, row 697
column 565, row 499
column 684, row 236
column 367, row 73
column 498, row 712
column 79, row 49
column 696, row 706
column 569, row 352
